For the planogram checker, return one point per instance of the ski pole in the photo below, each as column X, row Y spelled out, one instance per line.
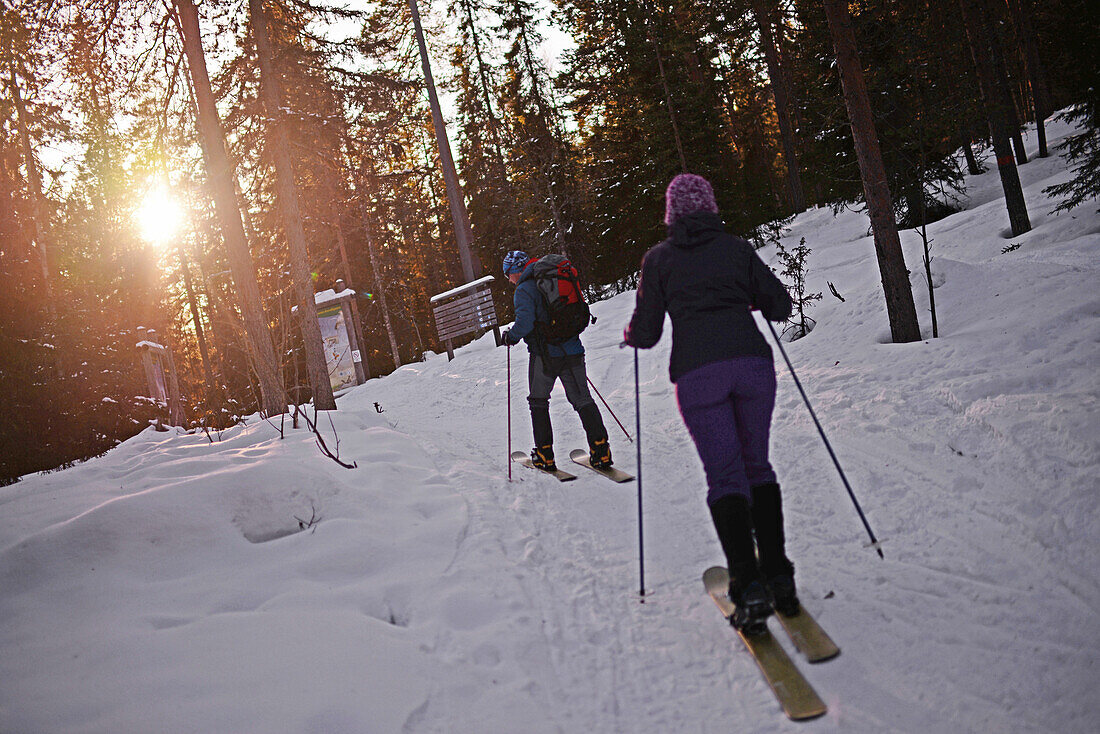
column 509, row 412
column 638, row 445
column 609, row 410
column 874, row 541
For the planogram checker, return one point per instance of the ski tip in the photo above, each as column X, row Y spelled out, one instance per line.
column 615, row 474
column 716, row 576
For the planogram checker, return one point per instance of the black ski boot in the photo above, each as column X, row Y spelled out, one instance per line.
column 543, row 458
column 599, row 450
column 778, row 571
column 751, row 605
column 783, row 596
column 599, row 454
column 733, row 521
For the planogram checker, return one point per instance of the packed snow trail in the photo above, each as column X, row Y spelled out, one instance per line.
column 247, row 583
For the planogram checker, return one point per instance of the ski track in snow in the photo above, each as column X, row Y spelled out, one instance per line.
column 170, row 585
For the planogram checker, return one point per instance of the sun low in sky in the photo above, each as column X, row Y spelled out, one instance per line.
column 159, row 218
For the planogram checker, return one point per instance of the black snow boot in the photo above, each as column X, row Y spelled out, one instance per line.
column 599, row 451
column 599, row 454
column 777, row 569
column 733, row 521
column 543, row 458
column 540, row 425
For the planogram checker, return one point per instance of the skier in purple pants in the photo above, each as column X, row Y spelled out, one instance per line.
column 709, row 281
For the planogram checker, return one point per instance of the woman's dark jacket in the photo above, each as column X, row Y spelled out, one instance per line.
column 707, row 280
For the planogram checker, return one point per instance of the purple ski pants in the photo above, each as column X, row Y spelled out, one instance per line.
column 727, row 407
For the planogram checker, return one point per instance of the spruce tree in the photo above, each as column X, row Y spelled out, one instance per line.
column 290, row 210
column 895, row 277
column 221, row 174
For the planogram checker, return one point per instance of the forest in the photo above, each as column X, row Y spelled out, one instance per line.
column 201, row 168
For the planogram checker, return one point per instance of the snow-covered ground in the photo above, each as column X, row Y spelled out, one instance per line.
column 168, row 586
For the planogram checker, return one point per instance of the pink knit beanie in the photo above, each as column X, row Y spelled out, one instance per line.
column 688, row 194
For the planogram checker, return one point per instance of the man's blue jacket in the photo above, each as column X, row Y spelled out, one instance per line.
column 531, row 308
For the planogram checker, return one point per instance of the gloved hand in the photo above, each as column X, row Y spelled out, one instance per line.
column 506, row 337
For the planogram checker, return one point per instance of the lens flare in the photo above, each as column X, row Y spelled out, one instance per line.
column 159, row 217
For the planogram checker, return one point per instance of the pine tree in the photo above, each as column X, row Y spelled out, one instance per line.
column 795, row 270
column 895, row 277
column 777, row 78
column 463, row 234
column 220, row 171
column 985, row 49
column 1071, row 39
column 483, row 139
column 542, row 156
column 623, row 117
column 18, row 55
column 290, row 210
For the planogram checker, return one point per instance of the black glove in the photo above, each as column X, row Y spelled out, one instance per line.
column 506, row 336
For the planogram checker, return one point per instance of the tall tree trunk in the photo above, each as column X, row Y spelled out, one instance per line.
column 1025, row 32
column 362, row 193
column 978, row 32
column 362, row 190
column 220, row 172
column 200, row 333
column 379, row 285
column 463, row 234
column 668, row 100
column 34, row 186
column 891, row 262
column 968, row 151
column 782, row 106
column 1014, row 123
column 342, row 246
column 760, row 143
column 990, row 16
column 287, row 189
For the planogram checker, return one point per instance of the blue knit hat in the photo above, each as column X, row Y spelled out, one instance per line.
column 515, row 261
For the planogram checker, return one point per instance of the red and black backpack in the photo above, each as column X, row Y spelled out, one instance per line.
column 556, row 279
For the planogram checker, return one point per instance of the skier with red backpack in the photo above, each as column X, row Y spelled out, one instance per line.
column 550, row 315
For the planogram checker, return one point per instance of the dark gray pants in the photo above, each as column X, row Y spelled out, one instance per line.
column 541, row 377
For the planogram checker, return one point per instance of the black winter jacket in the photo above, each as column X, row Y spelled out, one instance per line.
column 707, row 280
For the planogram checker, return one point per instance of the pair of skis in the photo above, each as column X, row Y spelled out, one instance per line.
column 794, row 693
column 579, row 456
column 796, row 696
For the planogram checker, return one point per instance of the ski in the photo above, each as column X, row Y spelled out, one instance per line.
column 806, row 634
column 796, row 697
column 562, row 476
column 580, row 456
